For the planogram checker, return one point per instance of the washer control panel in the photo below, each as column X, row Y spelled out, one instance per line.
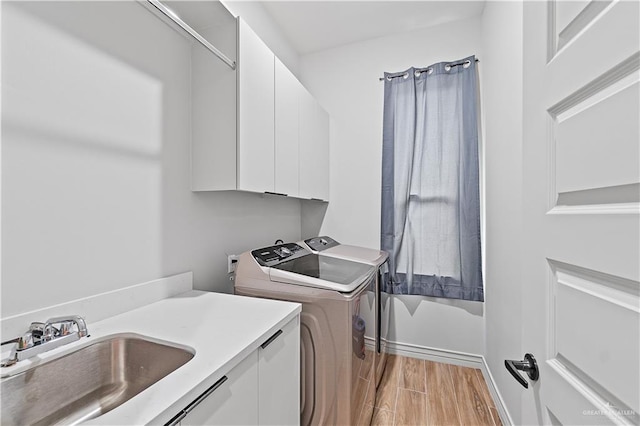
column 269, row 256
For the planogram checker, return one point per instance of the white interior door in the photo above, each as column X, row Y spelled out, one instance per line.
column 581, row 199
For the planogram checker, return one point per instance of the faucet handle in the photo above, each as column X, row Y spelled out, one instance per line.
column 24, row 342
column 21, row 342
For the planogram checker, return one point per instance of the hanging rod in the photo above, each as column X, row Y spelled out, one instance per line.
column 424, row 69
column 193, row 33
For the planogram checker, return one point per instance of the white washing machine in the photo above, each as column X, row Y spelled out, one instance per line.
column 377, row 311
column 335, row 377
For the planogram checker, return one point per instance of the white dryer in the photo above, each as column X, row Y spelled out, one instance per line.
column 334, row 378
column 378, row 310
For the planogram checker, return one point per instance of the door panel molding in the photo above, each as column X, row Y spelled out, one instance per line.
column 600, row 191
column 617, row 199
column 601, row 361
column 577, row 393
column 599, row 85
column 561, row 32
column 606, row 42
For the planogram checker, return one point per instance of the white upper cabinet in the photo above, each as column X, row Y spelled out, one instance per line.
column 256, row 153
column 213, row 106
column 255, row 129
column 314, row 149
column 322, row 160
column 287, row 92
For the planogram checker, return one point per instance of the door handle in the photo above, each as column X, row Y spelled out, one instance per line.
column 528, row 365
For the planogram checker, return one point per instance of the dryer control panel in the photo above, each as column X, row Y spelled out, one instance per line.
column 321, row 243
column 269, row 256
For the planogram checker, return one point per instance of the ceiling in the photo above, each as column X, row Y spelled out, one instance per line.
column 312, row 26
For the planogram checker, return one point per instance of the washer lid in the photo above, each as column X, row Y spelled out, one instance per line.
column 314, row 270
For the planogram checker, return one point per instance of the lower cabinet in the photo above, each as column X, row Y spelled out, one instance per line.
column 263, row 389
column 279, row 377
column 233, row 402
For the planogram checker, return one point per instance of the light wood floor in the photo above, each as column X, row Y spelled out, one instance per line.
column 419, row 392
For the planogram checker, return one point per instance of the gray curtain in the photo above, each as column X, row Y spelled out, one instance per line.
column 430, row 183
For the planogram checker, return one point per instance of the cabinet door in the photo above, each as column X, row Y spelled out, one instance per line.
column 279, row 377
column 322, row 153
column 287, row 91
column 314, row 149
column 255, row 112
column 235, row 402
column 213, row 111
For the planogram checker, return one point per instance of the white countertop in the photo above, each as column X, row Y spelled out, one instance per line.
column 222, row 329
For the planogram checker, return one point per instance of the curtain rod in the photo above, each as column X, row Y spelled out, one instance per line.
column 424, row 69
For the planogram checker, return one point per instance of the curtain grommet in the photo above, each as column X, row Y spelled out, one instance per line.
column 429, row 71
column 447, row 68
column 466, row 64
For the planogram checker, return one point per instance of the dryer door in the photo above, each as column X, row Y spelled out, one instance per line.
column 383, row 319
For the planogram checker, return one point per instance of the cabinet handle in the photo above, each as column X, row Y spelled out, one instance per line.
column 182, row 414
column 271, row 339
column 276, row 193
column 176, row 419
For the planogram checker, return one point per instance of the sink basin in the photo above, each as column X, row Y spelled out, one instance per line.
column 88, row 382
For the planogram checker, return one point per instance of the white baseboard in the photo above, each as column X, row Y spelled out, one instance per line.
column 434, row 354
column 100, row 306
column 505, row 417
column 456, row 358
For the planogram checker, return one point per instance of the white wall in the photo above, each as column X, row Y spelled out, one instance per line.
column 345, row 81
column 501, row 81
column 95, row 160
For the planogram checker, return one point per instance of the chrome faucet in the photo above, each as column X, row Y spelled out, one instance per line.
column 44, row 336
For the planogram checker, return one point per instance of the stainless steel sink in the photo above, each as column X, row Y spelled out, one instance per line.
column 88, row 382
